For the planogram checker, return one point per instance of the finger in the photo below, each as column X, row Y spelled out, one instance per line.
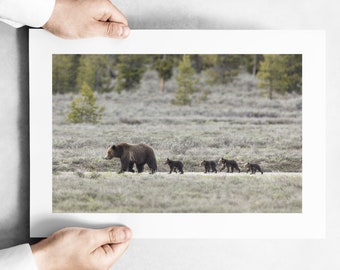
column 111, row 29
column 117, row 15
column 111, row 235
column 118, row 250
column 111, row 13
column 109, row 254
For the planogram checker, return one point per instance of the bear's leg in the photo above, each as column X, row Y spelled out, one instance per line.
column 124, row 165
column 140, row 168
column 260, row 170
column 131, row 163
column 152, row 165
column 180, row 168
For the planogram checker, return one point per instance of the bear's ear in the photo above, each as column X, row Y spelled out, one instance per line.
column 112, row 146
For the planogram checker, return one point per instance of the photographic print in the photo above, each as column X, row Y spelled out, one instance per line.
column 177, row 133
column 171, row 132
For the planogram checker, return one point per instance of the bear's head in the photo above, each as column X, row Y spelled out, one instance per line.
column 246, row 165
column 114, row 151
column 167, row 161
column 203, row 163
column 221, row 161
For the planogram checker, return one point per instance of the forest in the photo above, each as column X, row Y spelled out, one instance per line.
column 105, row 73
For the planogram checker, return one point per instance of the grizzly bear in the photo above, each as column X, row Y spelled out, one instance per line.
column 174, row 165
column 253, row 168
column 209, row 165
column 130, row 154
column 232, row 164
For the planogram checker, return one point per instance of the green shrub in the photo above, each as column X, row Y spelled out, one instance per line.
column 84, row 108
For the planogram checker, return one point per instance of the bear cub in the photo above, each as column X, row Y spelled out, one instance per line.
column 253, row 168
column 209, row 165
column 230, row 164
column 174, row 165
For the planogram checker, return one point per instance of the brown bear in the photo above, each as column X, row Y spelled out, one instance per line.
column 130, row 154
column 230, row 164
column 253, row 168
column 209, row 165
column 174, row 165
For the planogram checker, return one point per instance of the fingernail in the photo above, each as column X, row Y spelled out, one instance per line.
column 126, row 233
column 124, row 31
column 123, row 234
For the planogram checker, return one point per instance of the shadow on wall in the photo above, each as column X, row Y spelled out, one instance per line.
column 23, row 127
column 186, row 20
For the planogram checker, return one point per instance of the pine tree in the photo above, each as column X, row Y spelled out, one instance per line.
column 281, row 74
column 64, row 73
column 131, row 69
column 95, row 70
column 223, row 68
column 187, row 82
column 84, row 108
column 164, row 65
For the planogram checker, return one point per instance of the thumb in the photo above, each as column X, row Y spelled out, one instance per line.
column 112, row 29
column 111, row 235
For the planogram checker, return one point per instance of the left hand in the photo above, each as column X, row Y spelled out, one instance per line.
column 82, row 249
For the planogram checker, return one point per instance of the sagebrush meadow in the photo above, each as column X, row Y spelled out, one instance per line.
column 235, row 121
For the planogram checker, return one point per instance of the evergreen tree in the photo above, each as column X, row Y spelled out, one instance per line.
column 252, row 62
column 130, row 69
column 64, row 73
column 223, row 68
column 281, row 73
column 186, row 81
column 84, row 108
column 164, row 65
column 95, row 70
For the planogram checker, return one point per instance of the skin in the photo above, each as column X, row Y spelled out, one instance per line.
column 82, row 249
column 73, row 19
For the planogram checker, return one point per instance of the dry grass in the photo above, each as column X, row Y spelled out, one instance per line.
column 188, row 193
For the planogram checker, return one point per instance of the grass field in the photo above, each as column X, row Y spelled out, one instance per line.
column 235, row 121
column 188, row 193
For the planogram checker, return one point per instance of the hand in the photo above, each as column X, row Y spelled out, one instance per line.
column 81, row 249
column 73, row 19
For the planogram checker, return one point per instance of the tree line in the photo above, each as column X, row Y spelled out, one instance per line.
column 279, row 73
